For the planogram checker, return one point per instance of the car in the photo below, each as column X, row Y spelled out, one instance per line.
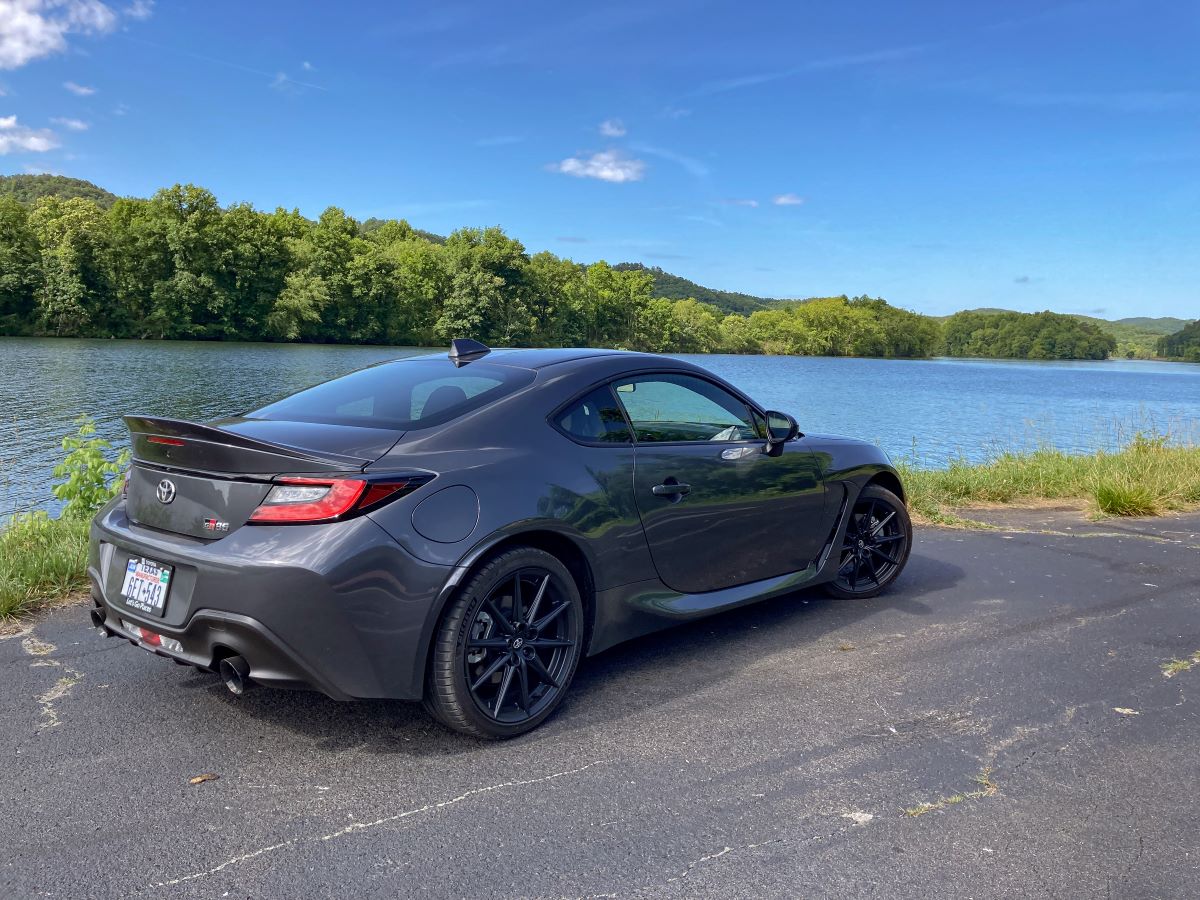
column 464, row 528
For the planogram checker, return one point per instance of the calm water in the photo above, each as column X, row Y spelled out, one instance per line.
column 942, row 408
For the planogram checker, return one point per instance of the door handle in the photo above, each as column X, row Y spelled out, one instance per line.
column 670, row 489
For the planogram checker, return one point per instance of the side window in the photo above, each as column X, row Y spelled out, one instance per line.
column 595, row 418
column 684, row 408
column 440, row 394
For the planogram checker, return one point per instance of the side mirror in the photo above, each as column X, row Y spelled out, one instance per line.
column 781, row 428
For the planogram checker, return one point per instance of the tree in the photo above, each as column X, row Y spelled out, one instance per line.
column 72, row 290
column 19, row 267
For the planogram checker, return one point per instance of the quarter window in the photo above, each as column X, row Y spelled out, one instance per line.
column 595, row 418
column 670, row 408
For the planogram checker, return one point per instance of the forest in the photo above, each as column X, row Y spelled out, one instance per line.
column 180, row 266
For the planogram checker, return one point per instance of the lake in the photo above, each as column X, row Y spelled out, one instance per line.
column 937, row 409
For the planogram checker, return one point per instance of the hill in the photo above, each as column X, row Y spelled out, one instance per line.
column 675, row 287
column 1137, row 336
column 27, row 188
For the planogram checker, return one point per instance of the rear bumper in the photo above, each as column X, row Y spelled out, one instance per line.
column 340, row 608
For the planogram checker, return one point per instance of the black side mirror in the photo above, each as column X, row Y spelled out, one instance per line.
column 781, row 428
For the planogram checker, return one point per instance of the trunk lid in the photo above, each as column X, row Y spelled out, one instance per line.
column 204, row 481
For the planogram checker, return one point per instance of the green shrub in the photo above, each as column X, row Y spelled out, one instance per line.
column 89, row 478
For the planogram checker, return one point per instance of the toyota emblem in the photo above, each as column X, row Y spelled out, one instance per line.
column 166, row 491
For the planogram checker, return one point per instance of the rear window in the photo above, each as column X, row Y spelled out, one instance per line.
column 595, row 418
column 403, row 395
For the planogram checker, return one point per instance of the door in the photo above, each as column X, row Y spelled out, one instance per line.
column 717, row 510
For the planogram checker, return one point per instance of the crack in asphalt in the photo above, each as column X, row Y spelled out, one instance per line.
column 364, row 826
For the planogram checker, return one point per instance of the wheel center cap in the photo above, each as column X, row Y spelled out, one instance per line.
column 518, row 643
column 861, row 544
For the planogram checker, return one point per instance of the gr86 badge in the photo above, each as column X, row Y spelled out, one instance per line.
column 215, row 525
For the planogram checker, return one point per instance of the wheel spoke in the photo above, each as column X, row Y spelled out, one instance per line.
column 550, row 616
column 499, row 617
column 505, row 681
column 518, row 605
column 550, row 643
column 854, row 575
column 486, row 643
column 523, row 683
column 490, row 671
column 537, row 600
column 882, row 522
column 889, row 538
column 536, row 664
column 883, row 555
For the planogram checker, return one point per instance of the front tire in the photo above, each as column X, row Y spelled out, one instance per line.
column 875, row 547
column 507, row 647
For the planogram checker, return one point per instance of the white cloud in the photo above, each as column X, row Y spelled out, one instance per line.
column 16, row 138
column 71, row 124
column 140, row 9
column 79, row 90
column 607, row 166
column 739, row 201
column 788, row 200
column 307, row 66
column 613, row 128
column 30, row 29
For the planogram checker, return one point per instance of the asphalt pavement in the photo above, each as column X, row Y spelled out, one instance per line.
column 998, row 725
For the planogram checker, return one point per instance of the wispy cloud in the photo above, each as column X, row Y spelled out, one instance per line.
column 787, row 200
column 871, row 57
column 285, row 84
column 675, row 112
column 79, row 90
column 121, row 109
column 613, row 128
column 1106, row 101
column 691, row 164
column 307, row 66
column 609, row 165
column 140, row 9
column 16, row 138
column 499, row 140
column 741, row 201
column 71, row 124
column 32, row 29
column 706, row 220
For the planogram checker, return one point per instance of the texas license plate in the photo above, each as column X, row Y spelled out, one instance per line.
column 145, row 586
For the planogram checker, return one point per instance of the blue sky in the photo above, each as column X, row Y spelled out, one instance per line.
column 941, row 155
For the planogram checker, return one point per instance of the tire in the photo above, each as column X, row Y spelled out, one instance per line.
column 507, row 647
column 875, row 546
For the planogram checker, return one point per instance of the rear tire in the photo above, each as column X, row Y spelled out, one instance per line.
column 507, row 647
column 876, row 545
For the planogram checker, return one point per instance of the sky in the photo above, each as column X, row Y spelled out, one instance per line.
column 941, row 155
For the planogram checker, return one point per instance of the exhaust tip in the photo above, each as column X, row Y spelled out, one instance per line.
column 235, row 672
column 97, row 616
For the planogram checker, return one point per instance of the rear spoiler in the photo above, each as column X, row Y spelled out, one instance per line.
column 206, row 448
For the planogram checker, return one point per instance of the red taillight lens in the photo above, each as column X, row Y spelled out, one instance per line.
column 295, row 500
column 308, row 500
column 170, row 442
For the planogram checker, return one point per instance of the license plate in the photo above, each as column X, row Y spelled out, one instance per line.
column 145, row 586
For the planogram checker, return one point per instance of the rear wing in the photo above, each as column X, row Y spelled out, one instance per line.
column 207, row 448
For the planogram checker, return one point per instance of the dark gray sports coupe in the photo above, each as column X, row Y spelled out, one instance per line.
column 464, row 529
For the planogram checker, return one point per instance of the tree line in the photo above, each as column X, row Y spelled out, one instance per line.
column 1183, row 345
column 178, row 265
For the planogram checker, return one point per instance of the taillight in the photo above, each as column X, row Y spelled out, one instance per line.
column 293, row 501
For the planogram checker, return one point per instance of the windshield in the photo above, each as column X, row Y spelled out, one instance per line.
column 402, row 395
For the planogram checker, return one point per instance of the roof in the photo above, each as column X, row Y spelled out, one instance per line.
column 538, row 358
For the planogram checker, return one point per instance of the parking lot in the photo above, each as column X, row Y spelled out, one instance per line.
column 997, row 725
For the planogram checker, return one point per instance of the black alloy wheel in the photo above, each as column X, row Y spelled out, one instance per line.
column 876, row 544
column 508, row 646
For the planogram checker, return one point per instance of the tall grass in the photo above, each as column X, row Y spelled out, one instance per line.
column 1146, row 477
column 41, row 560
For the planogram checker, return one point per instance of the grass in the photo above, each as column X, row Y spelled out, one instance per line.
column 1175, row 666
column 987, row 788
column 1145, row 478
column 41, row 560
